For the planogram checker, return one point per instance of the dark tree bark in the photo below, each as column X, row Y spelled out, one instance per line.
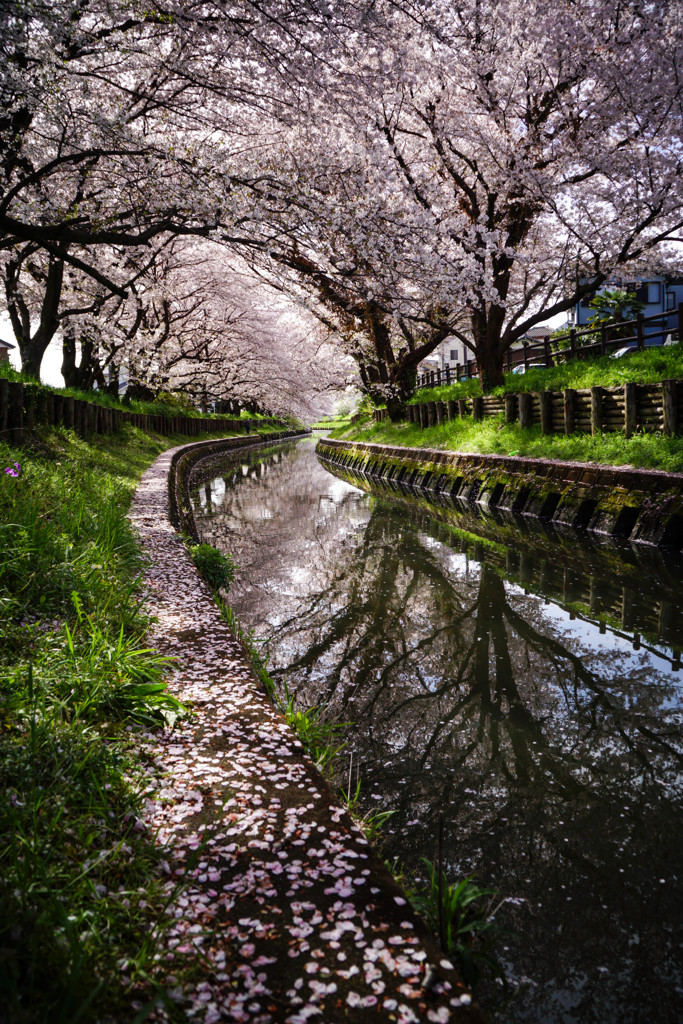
column 33, row 344
column 84, row 373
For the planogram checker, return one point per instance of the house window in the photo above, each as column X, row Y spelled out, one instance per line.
column 671, row 300
column 654, row 292
column 454, row 355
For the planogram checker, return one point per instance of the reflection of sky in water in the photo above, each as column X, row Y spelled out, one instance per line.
column 592, row 639
column 338, row 489
column 576, row 628
column 545, row 783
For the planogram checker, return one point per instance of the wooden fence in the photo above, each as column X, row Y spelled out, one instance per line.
column 631, row 408
column 24, row 406
column 578, row 343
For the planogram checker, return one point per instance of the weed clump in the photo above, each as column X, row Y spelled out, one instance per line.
column 461, row 914
column 215, row 567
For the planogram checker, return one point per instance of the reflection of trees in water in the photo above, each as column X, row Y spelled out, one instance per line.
column 550, row 767
column 396, row 645
column 459, row 687
column 267, row 505
column 632, row 586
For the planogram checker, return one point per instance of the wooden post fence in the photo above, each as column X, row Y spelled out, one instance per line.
column 546, row 407
column 596, row 410
column 15, row 411
column 569, row 410
column 669, row 406
column 630, row 409
column 3, row 408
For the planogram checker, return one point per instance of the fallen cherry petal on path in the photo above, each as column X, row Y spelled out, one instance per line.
column 274, row 916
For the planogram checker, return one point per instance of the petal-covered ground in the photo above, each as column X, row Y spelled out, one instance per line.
column 285, row 912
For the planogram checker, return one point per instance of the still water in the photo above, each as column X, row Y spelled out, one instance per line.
column 522, row 684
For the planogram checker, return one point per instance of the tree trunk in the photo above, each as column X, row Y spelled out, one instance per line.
column 69, row 372
column 32, row 353
column 108, row 379
column 32, row 347
column 396, row 410
column 490, row 365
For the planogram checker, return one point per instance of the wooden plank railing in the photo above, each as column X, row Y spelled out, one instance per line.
column 631, row 408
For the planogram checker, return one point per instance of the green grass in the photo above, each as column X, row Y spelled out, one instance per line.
column 331, row 424
column 493, row 436
column 444, row 393
column 462, row 915
column 82, row 887
column 647, row 367
column 217, row 569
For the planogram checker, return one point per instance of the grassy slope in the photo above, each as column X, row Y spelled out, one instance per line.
column 81, row 885
column 647, row 367
column 332, row 424
column 493, row 436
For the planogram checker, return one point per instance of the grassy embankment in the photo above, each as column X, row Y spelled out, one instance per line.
column 82, row 886
column 166, row 405
column 333, row 423
column 491, row 435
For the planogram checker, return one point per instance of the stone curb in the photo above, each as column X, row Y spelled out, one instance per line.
column 643, row 505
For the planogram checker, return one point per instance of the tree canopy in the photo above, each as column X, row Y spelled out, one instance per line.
column 402, row 170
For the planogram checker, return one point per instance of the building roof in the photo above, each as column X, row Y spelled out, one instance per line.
column 542, row 331
column 6, row 344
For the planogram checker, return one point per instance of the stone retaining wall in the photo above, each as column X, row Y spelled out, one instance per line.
column 643, row 505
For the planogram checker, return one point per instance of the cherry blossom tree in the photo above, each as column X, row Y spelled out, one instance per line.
column 262, row 351
column 470, row 169
column 395, row 163
column 44, row 294
column 335, row 244
column 537, row 148
column 200, row 324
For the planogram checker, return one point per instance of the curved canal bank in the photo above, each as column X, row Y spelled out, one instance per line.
column 637, row 504
column 520, row 681
column 290, row 913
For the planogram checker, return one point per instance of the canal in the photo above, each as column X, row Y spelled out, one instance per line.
column 520, row 684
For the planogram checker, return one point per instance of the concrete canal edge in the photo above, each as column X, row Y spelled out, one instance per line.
column 285, row 913
column 186, row 458
column 641, row 505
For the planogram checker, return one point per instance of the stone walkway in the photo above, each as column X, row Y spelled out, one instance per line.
column 285, row 909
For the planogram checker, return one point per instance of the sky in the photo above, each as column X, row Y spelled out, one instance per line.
column 50, row 372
